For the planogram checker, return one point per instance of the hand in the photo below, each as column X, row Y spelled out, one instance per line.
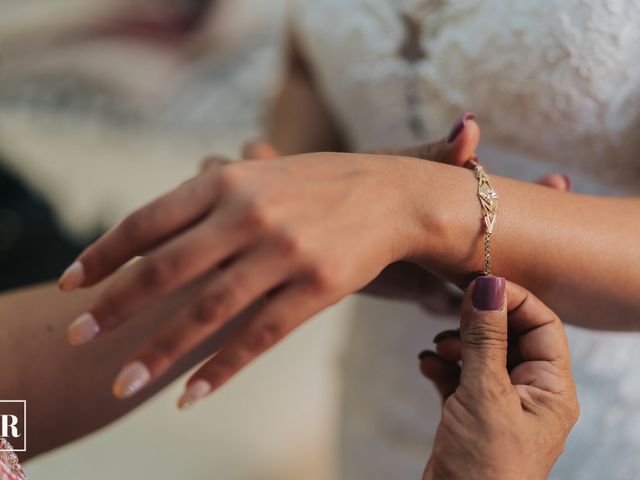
column 510, row 407
column 265, row 228
column 405, row 280
column 290, row 236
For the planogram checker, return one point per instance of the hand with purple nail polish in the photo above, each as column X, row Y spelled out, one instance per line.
column 505, row 379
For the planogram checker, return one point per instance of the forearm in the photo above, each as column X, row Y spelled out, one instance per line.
column 68, row 389
column 578, row 253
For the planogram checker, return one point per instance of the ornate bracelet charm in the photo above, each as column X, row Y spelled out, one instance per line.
column 489, row 203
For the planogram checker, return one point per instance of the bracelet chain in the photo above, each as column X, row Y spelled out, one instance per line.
column 489, row 202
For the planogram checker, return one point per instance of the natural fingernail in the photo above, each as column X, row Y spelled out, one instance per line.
column 131, row 379
column 82, row 329
column 194, row 392
column 72, row 277
column 426, row 353
column 488, row 293
column 567, row 179
column 459, row 125
column 446, row 334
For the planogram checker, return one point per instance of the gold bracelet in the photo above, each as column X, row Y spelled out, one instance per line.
column 489, row 202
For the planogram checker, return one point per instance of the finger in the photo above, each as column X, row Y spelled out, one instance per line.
column 274, row 320
column 444, row 374
column 211, row 161
column 441, row 301
column 230, row 292
column 172, row 265
column 259, row 150
column 539, row 330
column 484, row 331
column 455, row 149
column 448, row 344
column 557, row 181
column 462, row 141
column 139, row 232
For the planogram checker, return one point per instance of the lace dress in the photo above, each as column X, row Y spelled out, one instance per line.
column 555, row 84
column 10, row 468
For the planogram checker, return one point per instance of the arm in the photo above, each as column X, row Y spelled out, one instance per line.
column 68, row 391
column 303, row 232
column 300, row 120
column 578, row 253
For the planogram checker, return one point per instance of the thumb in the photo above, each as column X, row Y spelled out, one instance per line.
column 259, row 150
column 483, row 331
column 455, row 149
column 558, row 181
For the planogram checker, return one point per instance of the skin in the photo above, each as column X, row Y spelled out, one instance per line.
column 266, row 223
column 56, row 379
column 41, row 314
column 509, row 408
column 290, row 135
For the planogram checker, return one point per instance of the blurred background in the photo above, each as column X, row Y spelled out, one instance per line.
column 104, row 104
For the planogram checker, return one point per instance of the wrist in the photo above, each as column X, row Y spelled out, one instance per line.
column 445, row 219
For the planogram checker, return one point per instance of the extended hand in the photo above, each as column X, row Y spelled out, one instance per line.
column 289, row 236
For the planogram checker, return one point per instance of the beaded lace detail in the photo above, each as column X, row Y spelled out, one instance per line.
column 10, row 468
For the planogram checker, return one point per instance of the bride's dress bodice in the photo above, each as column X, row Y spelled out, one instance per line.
column 554, row 84
column 558, row 80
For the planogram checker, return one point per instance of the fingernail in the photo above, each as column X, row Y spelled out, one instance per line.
column 567, row 179
column 488, row 293
column 446, row 334
column 426, row 353
column 131, row 379
column 72, row 277
column 194, row 392
column 82, row 329
column 458, row 126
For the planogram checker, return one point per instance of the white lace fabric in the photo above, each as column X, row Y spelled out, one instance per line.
column 555, row 79
column 554, row 84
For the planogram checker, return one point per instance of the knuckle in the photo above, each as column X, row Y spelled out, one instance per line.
column 109, row 311
column 223, row 366
column 263, row 337
column 322, row 279
column 163, row 347
column 211, row 160
column 489, row 390
column 154, row 273
column 484, row 336
column 291, row 244
column 495, row 391
column 256, row 215
column 229, row 177
column 209, row 310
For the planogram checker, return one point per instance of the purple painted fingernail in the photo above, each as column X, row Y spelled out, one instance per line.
column 459, row 126
column 567, row 179
column 488, row 293
column 446, row 334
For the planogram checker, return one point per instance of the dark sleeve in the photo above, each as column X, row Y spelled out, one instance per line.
column 33, row 246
